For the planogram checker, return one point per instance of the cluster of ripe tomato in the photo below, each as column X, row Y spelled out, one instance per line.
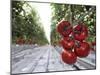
column 73, row 41
column 22, row 41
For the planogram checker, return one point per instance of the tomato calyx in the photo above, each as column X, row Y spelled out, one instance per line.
column 77, row 44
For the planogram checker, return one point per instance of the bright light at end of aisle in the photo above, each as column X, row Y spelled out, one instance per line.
column 44, row 11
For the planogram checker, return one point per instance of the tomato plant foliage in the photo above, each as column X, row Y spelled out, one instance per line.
column 26, row 24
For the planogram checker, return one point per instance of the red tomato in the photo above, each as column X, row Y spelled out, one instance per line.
column 20, row 40
column 81, row 36
column 67, row 43
column 80, row 32
column 82, row 49
column 93, row 45
column 64, row 28
column 68, row 57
